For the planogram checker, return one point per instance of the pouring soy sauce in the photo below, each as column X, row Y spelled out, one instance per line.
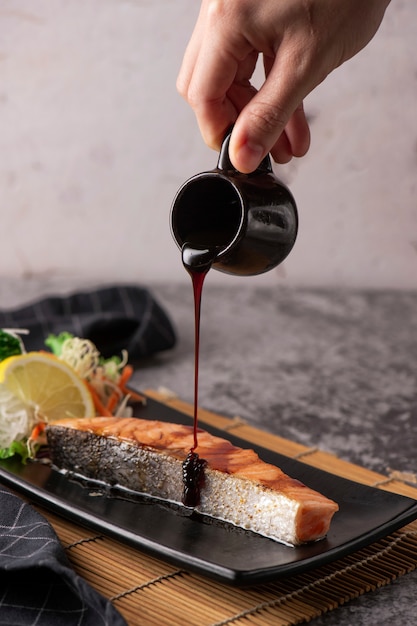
column 197, row 261
column 241, row 224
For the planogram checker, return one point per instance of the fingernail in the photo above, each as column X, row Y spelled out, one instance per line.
column 249, row 156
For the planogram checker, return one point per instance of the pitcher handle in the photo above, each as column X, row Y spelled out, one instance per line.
column 224, row 163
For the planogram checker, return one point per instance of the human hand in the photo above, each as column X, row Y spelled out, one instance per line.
column 301, row 41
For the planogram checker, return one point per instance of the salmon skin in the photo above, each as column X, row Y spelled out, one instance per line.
column 147, row 457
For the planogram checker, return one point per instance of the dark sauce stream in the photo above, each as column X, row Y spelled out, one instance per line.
column 197, row 261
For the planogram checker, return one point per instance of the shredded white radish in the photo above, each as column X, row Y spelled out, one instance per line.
column 16, row 419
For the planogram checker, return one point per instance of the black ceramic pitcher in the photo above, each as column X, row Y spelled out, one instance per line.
column 249, row 220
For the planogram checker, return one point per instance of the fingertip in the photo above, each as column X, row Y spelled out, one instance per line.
column 302, row 145
column 212, row 136
column 181, row 85
column 298, row 133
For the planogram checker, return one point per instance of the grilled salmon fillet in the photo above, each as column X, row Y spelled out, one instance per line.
column 147, row 456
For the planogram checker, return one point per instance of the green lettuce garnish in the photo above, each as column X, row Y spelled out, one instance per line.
column 18, row 448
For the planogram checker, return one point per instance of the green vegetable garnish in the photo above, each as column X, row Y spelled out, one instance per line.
column 55, row 342
column 10, row 344
column 18, row 448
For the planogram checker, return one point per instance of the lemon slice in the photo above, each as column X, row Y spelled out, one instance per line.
column 46, row 387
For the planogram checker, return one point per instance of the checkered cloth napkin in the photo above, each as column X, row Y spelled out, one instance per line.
column 114, row 318
column 38, row 587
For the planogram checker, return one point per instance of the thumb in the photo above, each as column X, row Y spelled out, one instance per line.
column 273, row 120
column 256, row 131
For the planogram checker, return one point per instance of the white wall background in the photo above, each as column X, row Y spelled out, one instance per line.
column 95, row 141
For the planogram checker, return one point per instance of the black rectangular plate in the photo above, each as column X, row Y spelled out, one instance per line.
column 220, row 551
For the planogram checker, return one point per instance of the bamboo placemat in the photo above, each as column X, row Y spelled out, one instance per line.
column 150, row 592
